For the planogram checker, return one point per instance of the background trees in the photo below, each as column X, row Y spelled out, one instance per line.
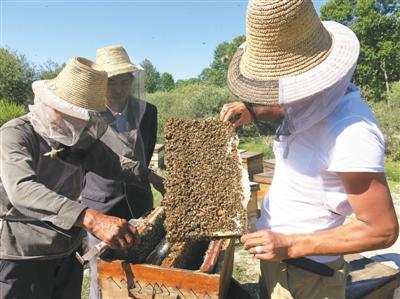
column 375, row 22
column 377, row 25
column 16, row 77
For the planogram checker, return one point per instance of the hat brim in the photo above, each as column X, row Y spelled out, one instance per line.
column 124, row 69
column 341, row 60
column 42, row 90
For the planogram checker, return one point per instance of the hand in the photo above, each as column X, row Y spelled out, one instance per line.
column 267, row 245
column 157, row 182
column 237, row 108
column 116, row 232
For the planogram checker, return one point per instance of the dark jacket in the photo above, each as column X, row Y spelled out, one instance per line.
column 39, row 195
column 114, row 197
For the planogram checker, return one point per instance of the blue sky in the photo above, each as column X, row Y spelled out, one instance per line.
column 176, row 36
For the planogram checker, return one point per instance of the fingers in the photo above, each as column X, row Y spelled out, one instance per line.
column 116, row 232
column 256, row 234
column 133, row 229
column 231, row 110
column 255, row 242
column 121, row 243
column 225, row 109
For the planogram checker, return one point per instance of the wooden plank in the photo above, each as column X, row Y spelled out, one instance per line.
column 225, row 267
column 370, row 279
column 250, row 156
column 211, row 257
column 252, row 205
column 269, row 164
column 119, row 279
column 252, row 162
column 122, row 280
column 264, row 177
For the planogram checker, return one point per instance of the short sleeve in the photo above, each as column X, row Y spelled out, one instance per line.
column 358, row 146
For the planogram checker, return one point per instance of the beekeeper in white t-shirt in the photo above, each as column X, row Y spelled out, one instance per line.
column 295, row 71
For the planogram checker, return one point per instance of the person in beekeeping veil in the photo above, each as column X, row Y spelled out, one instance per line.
column 136, row 125
column 295, row 71
column 43, row 159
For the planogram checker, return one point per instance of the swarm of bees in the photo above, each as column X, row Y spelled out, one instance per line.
column 204, row 187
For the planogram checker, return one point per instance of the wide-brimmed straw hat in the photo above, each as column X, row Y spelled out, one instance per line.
column 115, row 60
column 289, row 54
column 78, row 90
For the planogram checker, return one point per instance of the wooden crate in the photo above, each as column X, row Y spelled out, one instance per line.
column 264, row 180
column 252, row 206
column 121, row 280
column 269, row 165
column 157, row 159
column 253, row 162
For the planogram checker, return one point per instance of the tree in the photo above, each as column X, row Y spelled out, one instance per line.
column 10, row 110
column 377, row 25
column 186, row 82
column 167, row 82
column 216, row 73
column 151, row 76
column 49, row 70
column 16, row 77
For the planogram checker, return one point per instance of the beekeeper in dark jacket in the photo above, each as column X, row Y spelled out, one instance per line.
column 43, row 158
column 135, row 123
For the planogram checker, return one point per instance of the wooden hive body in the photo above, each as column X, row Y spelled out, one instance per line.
column 119, row 279
column 253, row 162
column 206, row 274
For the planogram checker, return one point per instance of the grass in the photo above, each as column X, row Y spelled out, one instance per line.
column 392, row 171
column 258, row 144
column 85, row 285
column 156, row 196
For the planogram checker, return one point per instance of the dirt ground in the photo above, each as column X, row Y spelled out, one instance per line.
column 246, row 270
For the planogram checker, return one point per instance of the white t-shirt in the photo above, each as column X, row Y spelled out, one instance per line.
column 307, row 194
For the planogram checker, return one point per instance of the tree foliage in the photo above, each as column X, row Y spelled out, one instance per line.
column 151, row 76
column 16, row 77
column 216, row 73
column 50, row 70
column 10, row 110
column 377, row 25
column 189, row 101
column 167, row 82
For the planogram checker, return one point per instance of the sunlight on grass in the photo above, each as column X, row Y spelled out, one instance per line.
column 258, row 144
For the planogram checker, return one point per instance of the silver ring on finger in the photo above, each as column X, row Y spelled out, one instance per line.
column 258, row 249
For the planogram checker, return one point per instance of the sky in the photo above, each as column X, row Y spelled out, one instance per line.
column 177, row 36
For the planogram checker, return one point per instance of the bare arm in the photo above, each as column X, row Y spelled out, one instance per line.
column 375, row 227
column 262, row 112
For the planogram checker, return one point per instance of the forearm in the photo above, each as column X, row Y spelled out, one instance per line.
column 353, row 237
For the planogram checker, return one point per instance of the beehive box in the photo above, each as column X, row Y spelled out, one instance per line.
column 158, row 269
column 264, row 180
column 121, row 280
column 157, row 159
column 269, row 165
column 253, row 211
column 252, row 162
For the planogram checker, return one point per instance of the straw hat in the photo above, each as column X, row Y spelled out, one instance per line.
column 289, row 54
column 115, row 60
column 78, row 89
